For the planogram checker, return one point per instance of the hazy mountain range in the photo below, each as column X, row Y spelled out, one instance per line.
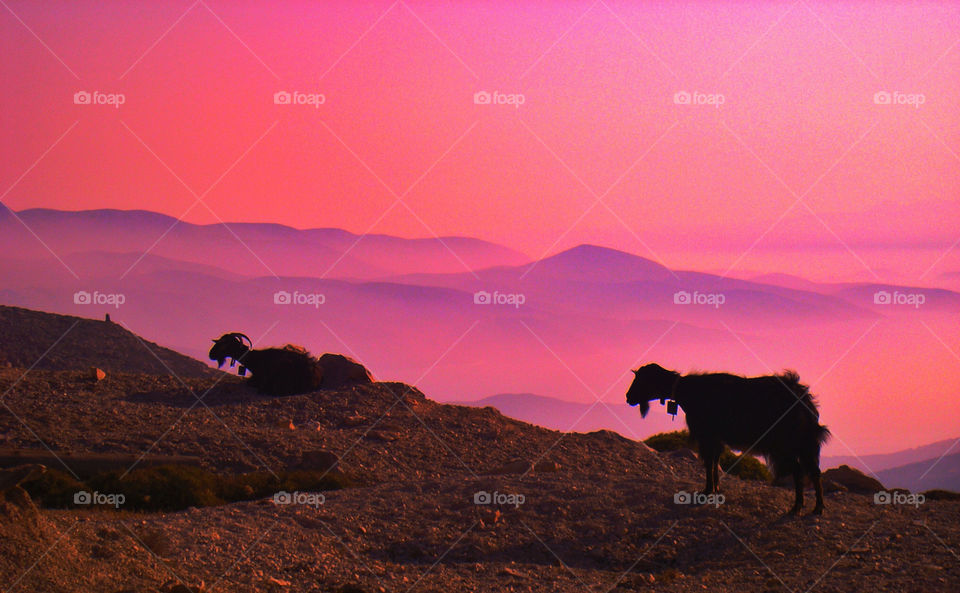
column 917, row 469
column 569, row 326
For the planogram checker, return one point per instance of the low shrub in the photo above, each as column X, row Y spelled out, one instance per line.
column 748, row 467
column 671, row 441
column 941, row 495
column 176, row 487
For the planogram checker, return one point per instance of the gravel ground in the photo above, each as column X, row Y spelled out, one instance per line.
column 597, row 514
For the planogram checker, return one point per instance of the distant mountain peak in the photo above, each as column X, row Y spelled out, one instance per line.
column 595, row 263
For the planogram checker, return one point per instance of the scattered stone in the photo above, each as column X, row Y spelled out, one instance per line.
column 514, row 573
column 97, row 374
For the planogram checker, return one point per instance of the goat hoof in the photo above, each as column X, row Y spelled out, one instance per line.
column 817, row 511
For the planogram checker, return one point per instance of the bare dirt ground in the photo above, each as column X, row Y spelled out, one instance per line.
column 597, row 514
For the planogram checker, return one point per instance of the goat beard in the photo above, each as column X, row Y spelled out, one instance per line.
column 220, row 362
column 644, row 408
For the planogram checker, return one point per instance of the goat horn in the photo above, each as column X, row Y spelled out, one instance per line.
column 245, row 337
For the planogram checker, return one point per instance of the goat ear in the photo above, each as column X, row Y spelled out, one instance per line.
column 636, row 372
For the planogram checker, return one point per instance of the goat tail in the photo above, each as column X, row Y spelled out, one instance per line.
column 823, row 433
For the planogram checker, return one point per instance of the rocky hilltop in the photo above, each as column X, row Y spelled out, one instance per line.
column 438, row 498
column 63, row 342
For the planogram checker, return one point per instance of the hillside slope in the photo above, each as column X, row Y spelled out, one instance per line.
column 599, row 515
column 63, row 342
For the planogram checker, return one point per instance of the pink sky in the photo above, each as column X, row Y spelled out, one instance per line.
column 798, row 171
column 695, row 186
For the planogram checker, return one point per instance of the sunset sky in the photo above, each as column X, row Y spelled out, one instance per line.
column 798, row 158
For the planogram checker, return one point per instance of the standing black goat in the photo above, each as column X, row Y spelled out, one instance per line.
column 774, row 415
column 275, row 371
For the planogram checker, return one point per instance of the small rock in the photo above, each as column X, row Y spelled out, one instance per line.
column 97, row 374
column 547, row 467
column 319, row 460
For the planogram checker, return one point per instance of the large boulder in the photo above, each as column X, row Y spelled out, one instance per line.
column 340, row 370
column 852, row 479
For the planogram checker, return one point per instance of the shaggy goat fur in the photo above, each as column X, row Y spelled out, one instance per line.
column 774, row 416
column 275, row 371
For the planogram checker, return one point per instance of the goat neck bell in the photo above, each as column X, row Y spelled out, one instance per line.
column 672, row 402
column 672, row 408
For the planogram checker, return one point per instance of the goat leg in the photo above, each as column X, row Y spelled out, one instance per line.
column 708, row 467
column 716, row 474
column 818, row 487
column 798, row 488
